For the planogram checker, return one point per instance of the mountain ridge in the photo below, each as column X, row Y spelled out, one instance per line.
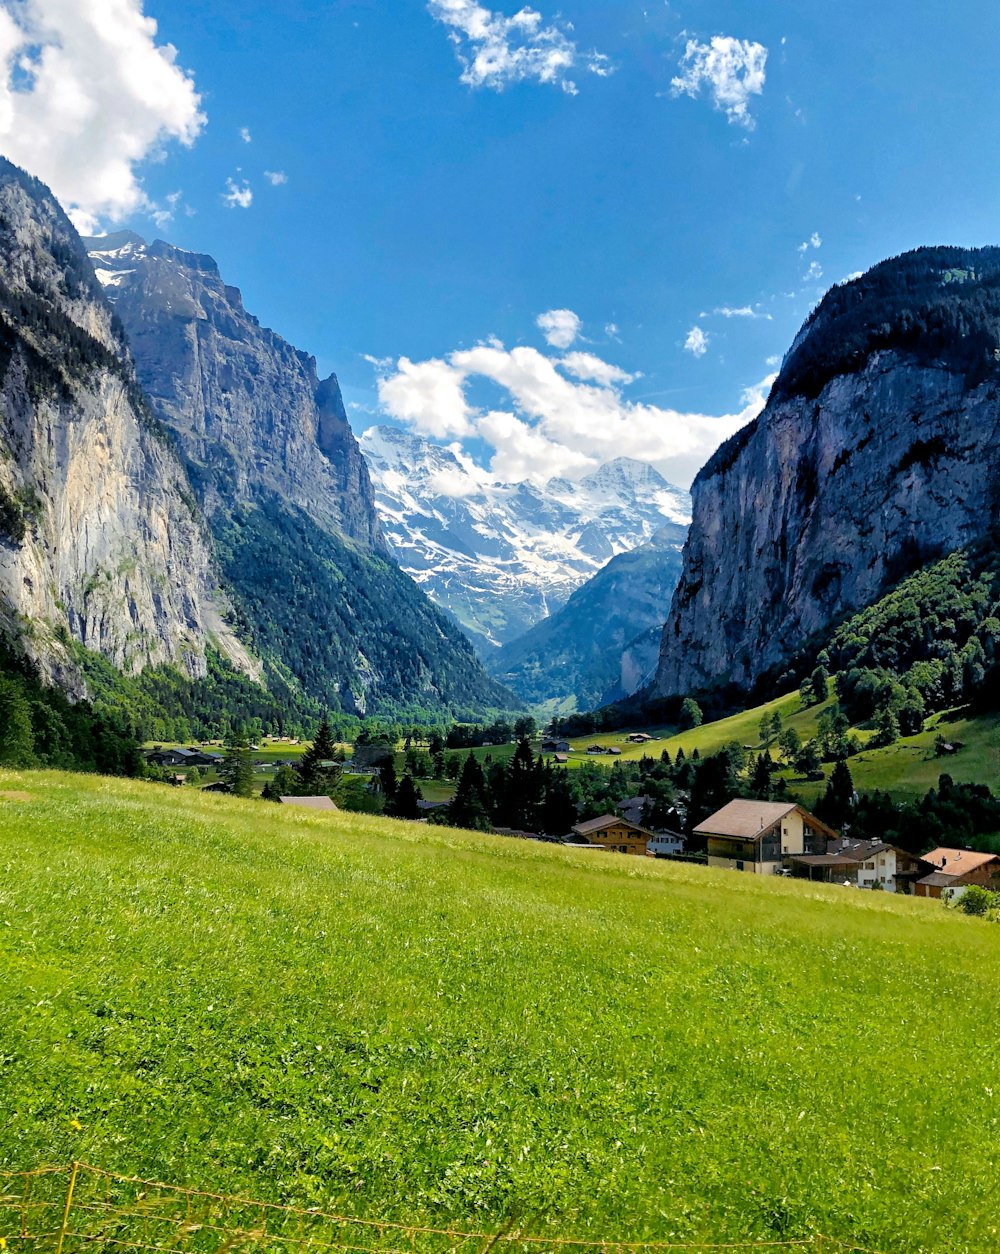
column 878, row 450
column 504, row 557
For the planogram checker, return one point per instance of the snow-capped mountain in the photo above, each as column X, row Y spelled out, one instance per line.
column 503, row 556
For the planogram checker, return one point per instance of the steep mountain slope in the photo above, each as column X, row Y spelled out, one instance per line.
column 877, row 451
column 502, row 557
column 100, row 539
column 578, row 651
column 281, row 479
column 248, row 409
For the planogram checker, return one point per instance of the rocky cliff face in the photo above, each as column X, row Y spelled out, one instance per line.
column 276, row 468
column 100, row 539
column 879, row 448
column 503, row 557
column 251, row 415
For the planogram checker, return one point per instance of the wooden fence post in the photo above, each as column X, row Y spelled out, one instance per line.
column 69, row 1202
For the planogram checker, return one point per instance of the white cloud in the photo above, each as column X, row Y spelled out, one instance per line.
column 696, row 343
column 428, row 396
column 560, row 327
column 814, row 273
column 814, row 241
column 732, row 70
column 612, row 331
column 592, row 369
column 744, row 311
column 452, row 482
column 277, row 178
column 86, row 96
column 238, row 195
column 245, row 135
column 163, row 215
column 550, row 424
column 496, row 50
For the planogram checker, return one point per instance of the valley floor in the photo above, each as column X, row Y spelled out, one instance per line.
column 414, row 1023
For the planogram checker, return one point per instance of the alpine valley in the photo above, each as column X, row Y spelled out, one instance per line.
column 184, row 509
column 553, row 583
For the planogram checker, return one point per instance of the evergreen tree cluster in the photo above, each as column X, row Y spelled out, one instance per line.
column 40, row 727
column 345, row 627
column 936, row 305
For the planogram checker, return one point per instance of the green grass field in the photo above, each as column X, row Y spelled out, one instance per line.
column 907, row 769
column 412, row 1023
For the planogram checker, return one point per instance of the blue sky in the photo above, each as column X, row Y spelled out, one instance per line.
column 428, row 207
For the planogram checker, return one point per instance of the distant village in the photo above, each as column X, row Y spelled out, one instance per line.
column 747, row 836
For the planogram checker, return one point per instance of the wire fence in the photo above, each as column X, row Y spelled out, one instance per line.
column 62, row 1210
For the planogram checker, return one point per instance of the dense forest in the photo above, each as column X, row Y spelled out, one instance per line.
column 330, row 618
column 39, row 726
column 937, row 305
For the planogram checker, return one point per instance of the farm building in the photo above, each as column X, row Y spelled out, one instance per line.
column 183, row 757
column 757, row 836
column 955, row 869
column 863, row 863
column 614, row 833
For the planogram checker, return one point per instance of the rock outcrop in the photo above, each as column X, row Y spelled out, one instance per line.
column 101, row 541
column 248, row 410
column 879, row 449
column 275, row 467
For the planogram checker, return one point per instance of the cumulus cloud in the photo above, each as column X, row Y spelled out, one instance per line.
column 730, row 70
column 245, row 135
column 551, row 424
column 427, row 395
column 277, row 178
column 696, row 343
column 86, row 96
column 495, row 50
column 814, row 241
column 561, row 327
column 814, row 273
column 592, row 369
column 238, row 195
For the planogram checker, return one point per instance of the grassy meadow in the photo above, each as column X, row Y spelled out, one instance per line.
column 396, row 1021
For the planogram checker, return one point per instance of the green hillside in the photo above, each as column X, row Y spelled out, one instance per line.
column 412, row 1023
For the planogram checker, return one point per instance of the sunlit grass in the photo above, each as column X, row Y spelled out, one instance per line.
column 411, row 1022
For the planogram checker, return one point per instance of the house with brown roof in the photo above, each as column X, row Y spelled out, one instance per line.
column 955, row 869
column 757, row 836
column 615, row 834
column 862, row 864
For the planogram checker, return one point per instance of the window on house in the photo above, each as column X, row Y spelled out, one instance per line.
column 869, row 866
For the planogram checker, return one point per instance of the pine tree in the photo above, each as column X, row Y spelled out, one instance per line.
column 523, row 789
column 407, row 796
column 236, row 771
column 558, row 812
column 760, row 779
column 468, row 806
column 319, row 772
column 838, row 800
column 389, row 782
